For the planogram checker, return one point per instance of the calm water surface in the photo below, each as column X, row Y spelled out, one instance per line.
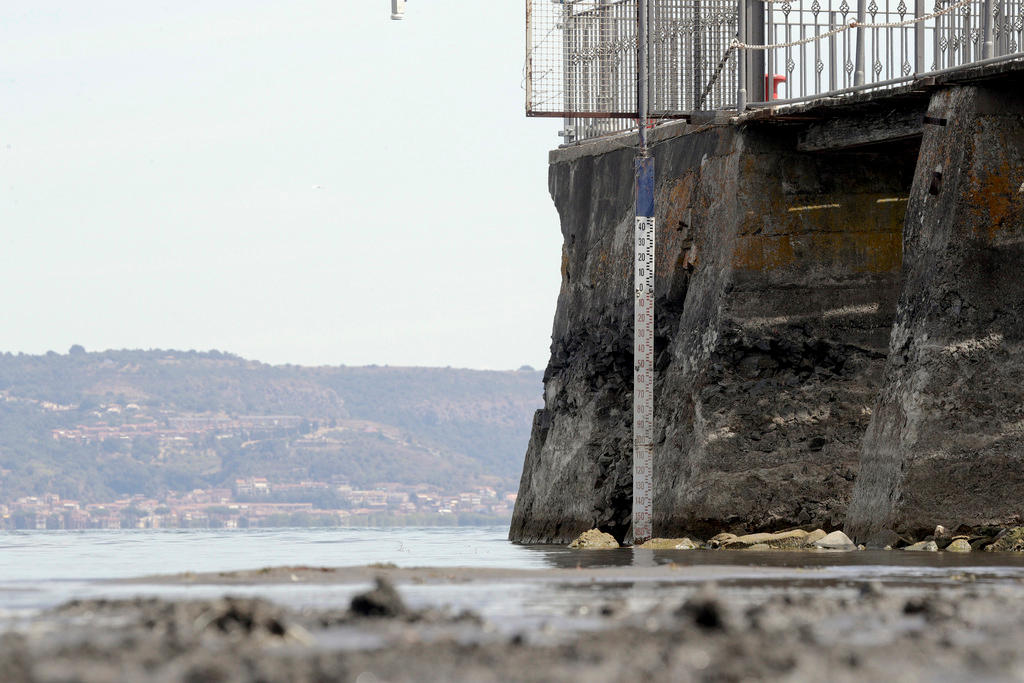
column 99, row 554
column 39, row 569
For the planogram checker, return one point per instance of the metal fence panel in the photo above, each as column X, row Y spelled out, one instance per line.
column 581, row 60
column 581, row 57
column 581, row 54
column 689, row 40
column 891, row 51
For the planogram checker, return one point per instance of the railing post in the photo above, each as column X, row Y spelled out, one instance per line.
column 741, row 57
column 986, row 23
column 755, row 58
column 653, row 80
column 698, row 86
column 641, row 72
column 919, row 11
column 858, row 74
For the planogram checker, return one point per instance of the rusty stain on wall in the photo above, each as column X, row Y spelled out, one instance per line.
column 858, row 252
column 860, row 235
column 994, row 199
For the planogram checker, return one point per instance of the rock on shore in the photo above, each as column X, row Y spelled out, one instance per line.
column 594, row 540
column 1010, row 540
column 992, row 540
column 669, row 544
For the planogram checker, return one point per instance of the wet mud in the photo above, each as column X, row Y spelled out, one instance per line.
column 665, row 622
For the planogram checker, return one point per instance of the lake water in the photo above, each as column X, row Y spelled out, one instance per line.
column 97, row 554
column 39, row 569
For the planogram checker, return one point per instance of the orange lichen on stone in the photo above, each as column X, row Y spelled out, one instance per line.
column 669, row 242
column 761, row 252
column 857, row 252
column 992, row 197
column 678, row 201
column 674, row 234
column 862, row 233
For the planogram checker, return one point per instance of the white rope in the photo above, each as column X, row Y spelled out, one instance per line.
column 908, row 22
column 820, row 36
column 846, row 27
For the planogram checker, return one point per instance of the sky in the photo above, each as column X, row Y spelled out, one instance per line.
column 300, row 182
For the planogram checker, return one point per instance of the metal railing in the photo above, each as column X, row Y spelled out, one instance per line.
column 889, row 41
column 581, row 60
column 721, row 54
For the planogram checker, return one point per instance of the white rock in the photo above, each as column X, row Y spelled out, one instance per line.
column 836, row 540
column 814, row 537
column 783, row 539
column 670, row 544
column 926, row 546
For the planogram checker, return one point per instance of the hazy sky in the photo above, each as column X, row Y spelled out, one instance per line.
column 297, row 182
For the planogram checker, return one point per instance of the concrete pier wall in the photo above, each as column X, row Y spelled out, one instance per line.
column 946, row 440
column 781, row 277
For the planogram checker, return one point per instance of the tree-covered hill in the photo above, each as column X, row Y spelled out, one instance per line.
column 91, row 425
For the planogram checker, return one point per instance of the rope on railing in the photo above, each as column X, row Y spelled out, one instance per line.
column 845, row 27
column 821, row 36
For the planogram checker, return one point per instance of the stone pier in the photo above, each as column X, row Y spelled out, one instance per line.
column 839, row 291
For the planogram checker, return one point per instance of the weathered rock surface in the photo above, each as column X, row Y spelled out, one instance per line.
column 836, row 540
column 670, row 544
column 594, row 540
column 718, row 540
column 785, row 539
column 959, row 545
column 1012, row 540
column 945, row 443
column 926, row 546
column 814, row 536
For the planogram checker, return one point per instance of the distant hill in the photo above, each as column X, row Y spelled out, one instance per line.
column 92, row 425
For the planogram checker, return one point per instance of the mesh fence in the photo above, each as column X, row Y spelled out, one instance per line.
column 581, row 60
column 689, row 39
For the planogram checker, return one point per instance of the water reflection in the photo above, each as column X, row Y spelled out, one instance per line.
column 770, row 566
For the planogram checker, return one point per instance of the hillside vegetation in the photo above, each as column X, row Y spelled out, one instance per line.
column 92, row 425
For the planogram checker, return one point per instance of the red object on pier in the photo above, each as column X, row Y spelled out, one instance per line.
column 771, row 85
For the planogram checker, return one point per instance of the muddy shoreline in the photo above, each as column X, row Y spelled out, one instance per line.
column 667, row 622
